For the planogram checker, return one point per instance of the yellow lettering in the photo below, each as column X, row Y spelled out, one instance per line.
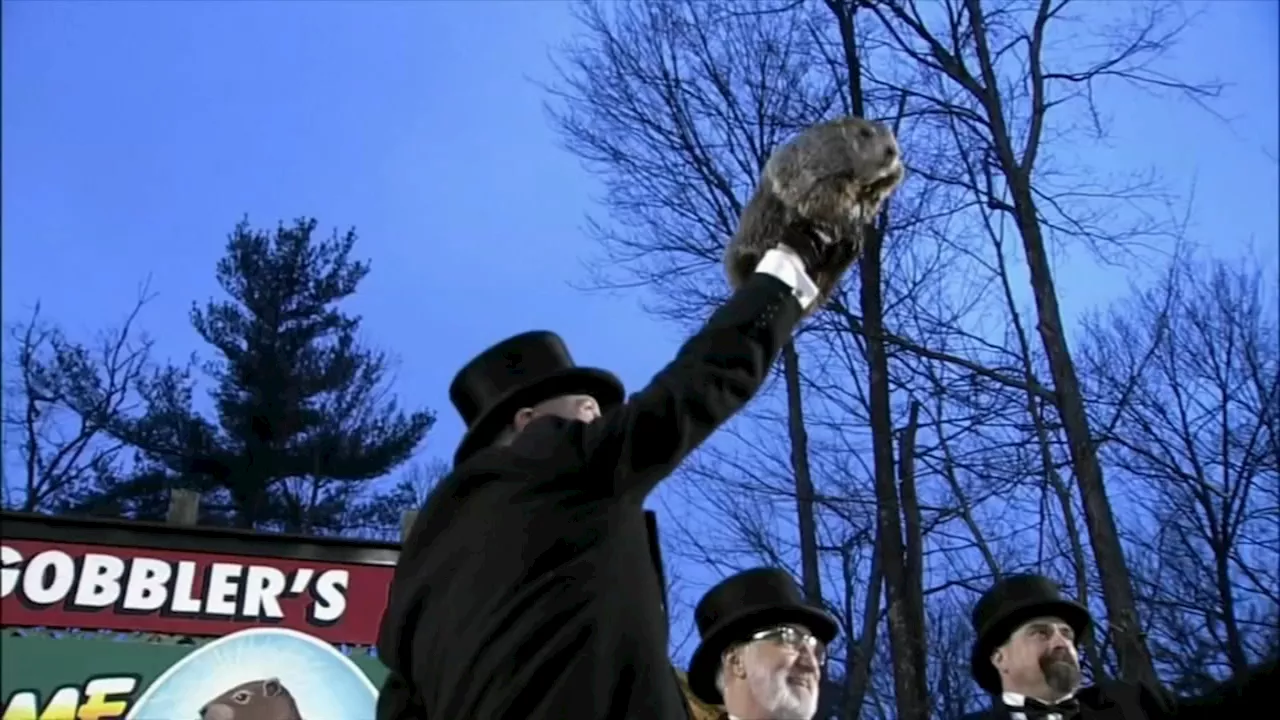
column 62, row 706
column 98, row 704
column 21, row 706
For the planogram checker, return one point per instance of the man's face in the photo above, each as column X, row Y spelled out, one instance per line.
column 781, row 674
column 570, row 407
column 1040, row 659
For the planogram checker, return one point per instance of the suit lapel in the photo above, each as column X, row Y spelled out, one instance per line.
column 1096, row 703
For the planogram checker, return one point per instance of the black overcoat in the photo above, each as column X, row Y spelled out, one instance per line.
column 526, row 589
column 1242, row 697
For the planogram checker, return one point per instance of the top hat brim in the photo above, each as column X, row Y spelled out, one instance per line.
column 706, row 658
column 985, row 673
column 602, row 385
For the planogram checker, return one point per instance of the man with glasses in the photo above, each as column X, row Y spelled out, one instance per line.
column 762, row 648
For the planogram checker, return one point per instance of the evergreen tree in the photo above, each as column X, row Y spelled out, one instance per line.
column 303, row 417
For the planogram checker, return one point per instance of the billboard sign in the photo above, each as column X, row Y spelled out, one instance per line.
column 136, row 577
column 101, row 587
column 255, row 674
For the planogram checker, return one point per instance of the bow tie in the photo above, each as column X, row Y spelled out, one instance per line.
column 1035, row 710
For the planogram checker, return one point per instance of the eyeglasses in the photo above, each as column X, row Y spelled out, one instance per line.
column 795, row 639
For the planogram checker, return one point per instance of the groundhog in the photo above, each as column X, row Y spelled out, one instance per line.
column 253, row 700
column 831, row 180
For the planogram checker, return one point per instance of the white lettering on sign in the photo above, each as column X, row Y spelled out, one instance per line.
column 147, row 585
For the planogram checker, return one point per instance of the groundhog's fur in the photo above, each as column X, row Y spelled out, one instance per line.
column 264, row 699
column 833, row 178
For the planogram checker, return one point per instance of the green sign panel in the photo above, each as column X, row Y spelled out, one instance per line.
column 271, row 673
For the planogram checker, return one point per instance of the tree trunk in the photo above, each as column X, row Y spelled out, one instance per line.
column 911, row 701
column 1052, row 477
column 807, row 525
column 1117, row 588
column 913, row 548
column 858, row 667
column 1117, row 585
column 911, row 695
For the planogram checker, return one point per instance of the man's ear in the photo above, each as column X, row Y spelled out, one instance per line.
column 997, row 657
column 736, row 663
column 522, row 417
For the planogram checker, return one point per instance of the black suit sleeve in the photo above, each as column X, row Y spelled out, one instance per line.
column 713, row 376
column 1240, row 696
column 396, row 700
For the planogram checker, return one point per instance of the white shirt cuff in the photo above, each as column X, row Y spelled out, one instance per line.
column 783, row 263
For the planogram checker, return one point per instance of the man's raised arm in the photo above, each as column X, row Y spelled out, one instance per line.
column 801, row 231
column 714, row 375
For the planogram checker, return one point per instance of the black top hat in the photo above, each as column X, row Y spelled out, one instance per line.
column 743, row 604
column 519, row 372
column 1009, row 603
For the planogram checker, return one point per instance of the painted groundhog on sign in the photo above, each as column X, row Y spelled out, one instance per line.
column 254, row 700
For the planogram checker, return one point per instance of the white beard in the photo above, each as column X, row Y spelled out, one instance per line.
column 780, row 699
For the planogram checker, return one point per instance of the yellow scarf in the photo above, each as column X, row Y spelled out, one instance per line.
column 698, row 710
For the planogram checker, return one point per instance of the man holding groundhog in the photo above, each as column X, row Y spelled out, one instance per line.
column 527, row 588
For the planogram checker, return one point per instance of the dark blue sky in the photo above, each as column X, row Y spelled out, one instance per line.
column 135, row 135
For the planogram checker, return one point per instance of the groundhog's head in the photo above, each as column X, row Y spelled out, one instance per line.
column 824, row 188
column 838, row 172
column 253, row 700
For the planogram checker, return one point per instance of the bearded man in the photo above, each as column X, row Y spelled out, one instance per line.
column 1025, row 655
column 762, row 648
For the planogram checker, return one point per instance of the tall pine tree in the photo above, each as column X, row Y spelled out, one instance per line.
column 304, row 419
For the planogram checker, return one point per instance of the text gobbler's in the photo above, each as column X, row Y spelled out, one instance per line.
column 136, row 589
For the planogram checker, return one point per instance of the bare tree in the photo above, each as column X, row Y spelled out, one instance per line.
column 954, row 693
column 677, row 107
column 997, row 72
column 420, row 477
column 378, row 513
column 900, row 547
column 917, row 424
column 1194, row 423
column 60, row 395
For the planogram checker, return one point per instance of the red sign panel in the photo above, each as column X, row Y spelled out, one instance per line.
column 101, row 587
